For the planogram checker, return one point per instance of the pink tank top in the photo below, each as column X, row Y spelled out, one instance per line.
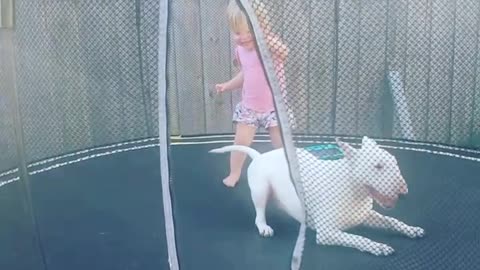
column 256, row 94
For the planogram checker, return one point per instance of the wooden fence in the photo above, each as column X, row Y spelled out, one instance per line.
column 341, row 56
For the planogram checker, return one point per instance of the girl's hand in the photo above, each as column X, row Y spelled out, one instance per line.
column 234, row 83
column 221, row 87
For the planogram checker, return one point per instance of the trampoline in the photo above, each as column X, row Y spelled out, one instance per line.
column 100, row 210
column 108, row 112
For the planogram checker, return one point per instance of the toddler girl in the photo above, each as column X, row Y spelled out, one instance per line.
column 256, row 109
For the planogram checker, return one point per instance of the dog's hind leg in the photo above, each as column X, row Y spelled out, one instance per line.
column 339, row 238
column 259, row 190
column 288, row 200
column 377, row 220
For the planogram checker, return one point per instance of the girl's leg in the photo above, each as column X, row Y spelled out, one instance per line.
column 275, row 136
column 243, row 136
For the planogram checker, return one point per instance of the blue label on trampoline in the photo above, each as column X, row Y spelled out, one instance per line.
column 325, row 151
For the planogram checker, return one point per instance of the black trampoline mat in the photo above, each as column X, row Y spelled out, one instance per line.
column 100, row 214
column 215, row 224
column 107, row 213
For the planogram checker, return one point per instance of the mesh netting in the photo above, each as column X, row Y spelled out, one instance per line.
column 365, row 69
column 432, row 57
column 350, row 58
column 87, row 73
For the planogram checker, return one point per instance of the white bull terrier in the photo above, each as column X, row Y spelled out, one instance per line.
column 338, row 193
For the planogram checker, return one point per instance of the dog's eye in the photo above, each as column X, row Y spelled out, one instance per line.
column 378, row 166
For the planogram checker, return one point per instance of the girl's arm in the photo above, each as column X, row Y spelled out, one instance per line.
column 235, row 83
column 274, row 42
column 277, row 47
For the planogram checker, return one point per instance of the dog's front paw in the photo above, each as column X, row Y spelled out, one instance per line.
column 379, row 249
column 265, row 230
column 415, row 232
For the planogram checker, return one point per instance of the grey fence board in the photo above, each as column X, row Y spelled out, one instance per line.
column 297, row 72
column 39, row 103
column 321, row 67
column 216, row 59
column 371, row 64
column 348, row 67
column 442, row 68
column 397, row 47
column 8, row 151
column 172, row 94
column 66, row 73
column 474, row 136
column 189, row 70
column 417, row 64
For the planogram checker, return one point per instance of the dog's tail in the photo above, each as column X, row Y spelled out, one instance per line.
column 245, row 149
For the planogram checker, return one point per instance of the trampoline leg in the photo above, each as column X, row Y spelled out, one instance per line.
column 377, row 220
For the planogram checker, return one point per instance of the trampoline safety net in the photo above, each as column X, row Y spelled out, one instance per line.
column 363, row 70
column 109, row 111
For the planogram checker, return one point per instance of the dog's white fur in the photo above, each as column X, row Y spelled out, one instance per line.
column 343, row 190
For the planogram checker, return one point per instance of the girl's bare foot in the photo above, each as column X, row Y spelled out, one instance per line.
column 231, row 180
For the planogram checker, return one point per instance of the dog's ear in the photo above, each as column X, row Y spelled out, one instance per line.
column 367, row 142
column 347, row 149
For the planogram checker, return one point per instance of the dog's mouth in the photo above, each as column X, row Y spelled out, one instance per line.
column 384, row 200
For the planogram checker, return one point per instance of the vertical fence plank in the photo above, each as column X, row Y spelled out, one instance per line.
column 102, row 59
column 371, row 43
column 296, row 37
column 8, row 158
column 216, row 64
column 475, row 128
column 417, row 64
column 189, row 72
column 348, row 67
column 42, row 122
column 68, row 81
column 147, row 23
column 441, row 66
column 129, row 73
column 475, row 104
column 396, row 48
column 321, row 66
column 172, row 89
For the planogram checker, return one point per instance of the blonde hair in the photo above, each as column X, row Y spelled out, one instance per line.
column 236, row 18
column 238, row 21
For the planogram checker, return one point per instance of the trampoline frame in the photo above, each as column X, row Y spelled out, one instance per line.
column 174, row 141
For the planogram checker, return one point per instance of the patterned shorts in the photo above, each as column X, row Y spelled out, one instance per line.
column 252, row 118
